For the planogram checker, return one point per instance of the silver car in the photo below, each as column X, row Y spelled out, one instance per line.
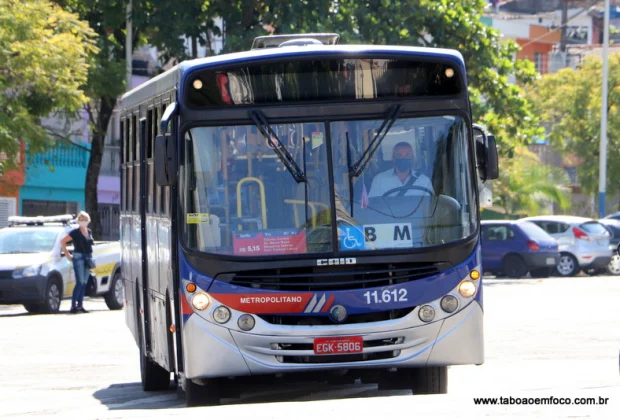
column 583, row 243
column 613, row 226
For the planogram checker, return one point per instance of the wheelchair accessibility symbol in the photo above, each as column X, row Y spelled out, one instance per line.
column 353, row 238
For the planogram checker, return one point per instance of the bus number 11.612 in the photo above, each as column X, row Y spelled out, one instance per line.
column 386, row 296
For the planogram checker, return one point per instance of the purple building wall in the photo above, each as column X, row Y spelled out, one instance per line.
column 109, row 189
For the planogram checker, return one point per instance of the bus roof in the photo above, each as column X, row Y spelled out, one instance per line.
column 171, row 77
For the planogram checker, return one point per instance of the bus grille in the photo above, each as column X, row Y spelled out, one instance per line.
column 338, row 358
column 325, row 320
column 341, row 358
column 325, row 278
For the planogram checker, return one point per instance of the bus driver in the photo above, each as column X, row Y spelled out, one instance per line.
column 401, row 176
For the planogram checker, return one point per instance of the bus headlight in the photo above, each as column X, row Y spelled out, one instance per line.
column 467, row 288
column 221, row 314
column 426, row 313
column 246, row 322
column 200, row 301
column 449, row 303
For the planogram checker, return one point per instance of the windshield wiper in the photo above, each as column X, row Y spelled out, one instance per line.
column 285, row 157
column 360, row 165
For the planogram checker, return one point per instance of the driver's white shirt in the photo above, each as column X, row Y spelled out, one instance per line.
column 388, row 180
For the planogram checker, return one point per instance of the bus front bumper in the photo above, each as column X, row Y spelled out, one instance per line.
column 212, row 350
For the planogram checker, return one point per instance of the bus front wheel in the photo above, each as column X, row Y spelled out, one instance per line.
column 153, row 376
column 430, row 380
column 202, row 395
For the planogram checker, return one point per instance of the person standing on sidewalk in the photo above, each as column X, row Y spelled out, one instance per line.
column 82, row 258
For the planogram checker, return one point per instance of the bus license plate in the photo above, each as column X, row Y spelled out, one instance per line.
column 338, row 345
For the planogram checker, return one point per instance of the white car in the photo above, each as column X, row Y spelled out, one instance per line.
column 583, row 243
column 35, row 273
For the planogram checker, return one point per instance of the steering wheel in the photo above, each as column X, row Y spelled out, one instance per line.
column 405, row 188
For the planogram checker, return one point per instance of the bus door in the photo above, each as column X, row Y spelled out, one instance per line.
column 155, row 247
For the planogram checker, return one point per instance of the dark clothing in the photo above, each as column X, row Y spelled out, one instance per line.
column 82, row 250
column 82, row 244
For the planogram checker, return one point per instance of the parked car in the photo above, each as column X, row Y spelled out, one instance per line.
column 583, row 242
column 613, row 226
column 514, row 248
column 615, row 216
column 35, row 273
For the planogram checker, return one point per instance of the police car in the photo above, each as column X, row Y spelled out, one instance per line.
column 35, row 273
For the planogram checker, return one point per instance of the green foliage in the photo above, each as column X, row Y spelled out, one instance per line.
column 496, row 103
column 525, row 184
column 43, row 66
column 106, row 78
column 569, row 103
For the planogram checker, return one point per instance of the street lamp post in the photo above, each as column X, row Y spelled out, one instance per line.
column 603, row 147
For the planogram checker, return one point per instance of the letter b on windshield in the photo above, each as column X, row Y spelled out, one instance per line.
column 371, row 234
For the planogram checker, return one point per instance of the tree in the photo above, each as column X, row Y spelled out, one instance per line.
column 525, row 184
column 106, row 82
column 195, row 20
column 569, row 103
column 163, row 23
column 497, row 103
column 43, row 65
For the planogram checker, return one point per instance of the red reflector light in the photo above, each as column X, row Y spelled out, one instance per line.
column 533, row 246
column 579, row 234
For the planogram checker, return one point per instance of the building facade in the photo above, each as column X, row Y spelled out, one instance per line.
column 11, row 181
column 55, row 180
column 144, row 66
column 536, row 25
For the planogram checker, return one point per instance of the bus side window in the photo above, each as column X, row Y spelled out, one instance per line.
column 161, row 191
column 136, row 159
column 149, row 156
column 123, row 162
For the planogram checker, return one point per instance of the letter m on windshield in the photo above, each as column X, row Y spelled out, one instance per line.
column 401, row 233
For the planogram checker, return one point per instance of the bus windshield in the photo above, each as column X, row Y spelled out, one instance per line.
column 415, row 191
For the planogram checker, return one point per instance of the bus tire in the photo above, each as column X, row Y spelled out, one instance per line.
column 114, row 298
column 430, row 380
column 202, row 395
column 153, row 376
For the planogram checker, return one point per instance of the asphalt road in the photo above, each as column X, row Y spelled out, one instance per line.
column 544, row 338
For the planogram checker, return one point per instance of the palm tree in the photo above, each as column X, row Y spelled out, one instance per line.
column 526, row 184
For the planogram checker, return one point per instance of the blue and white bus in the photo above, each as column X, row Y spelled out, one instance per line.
column 304, row 209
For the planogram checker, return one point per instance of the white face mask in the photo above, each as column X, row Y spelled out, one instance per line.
column 83, row 224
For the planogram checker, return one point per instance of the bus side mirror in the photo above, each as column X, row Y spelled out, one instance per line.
column 492, row 160
column 486, row 155
column 165, row 160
